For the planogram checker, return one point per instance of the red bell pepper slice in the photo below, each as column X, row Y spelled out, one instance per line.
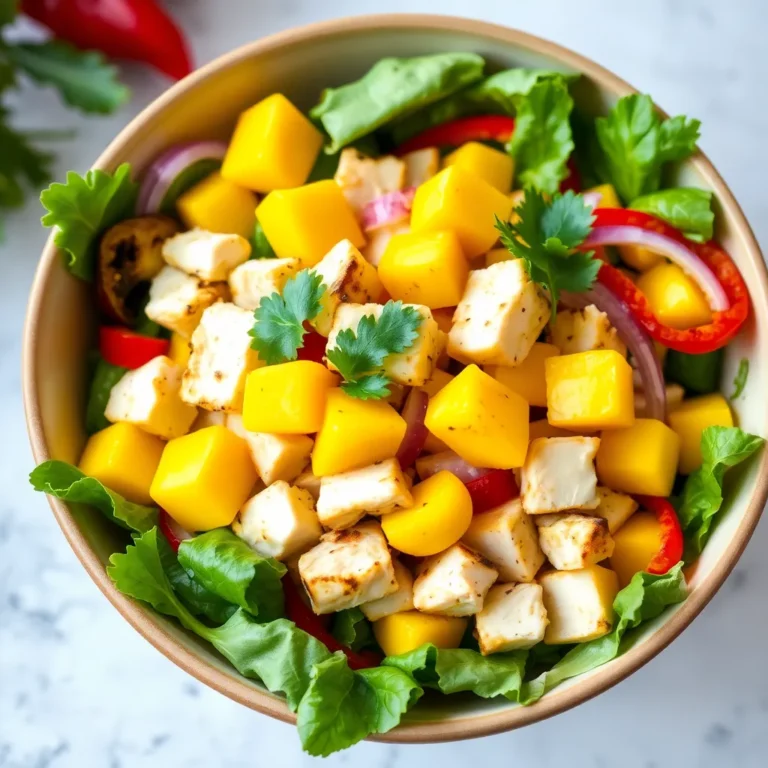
column 694, row 341
column 492, row 490
column 314, row 347
column 452, row 134
column 172, row 530
column 671, row 547
column 123, row 347
column 304, row 618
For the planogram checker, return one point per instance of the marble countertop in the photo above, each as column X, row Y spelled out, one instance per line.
column 79, row 688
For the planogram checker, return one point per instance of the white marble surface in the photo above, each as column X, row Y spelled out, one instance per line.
column 79, row 688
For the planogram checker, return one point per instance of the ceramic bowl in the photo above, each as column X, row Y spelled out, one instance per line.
column 300, row 62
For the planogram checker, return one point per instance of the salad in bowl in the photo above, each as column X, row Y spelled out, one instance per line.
column 415, row 392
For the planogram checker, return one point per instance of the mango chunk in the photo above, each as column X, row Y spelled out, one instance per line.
column 491, row 165
column 437, row 381
column 589, row 390
column 204, row 478
column 674, row 298
column 635, row 544
column 273, row 147
column 405, row 631
column 124, row 458
column 218, row 205
column 495, row 255
column 527, row 379
column 690, row 419
column 639, row 459
column 179, row 350
column 481, row 420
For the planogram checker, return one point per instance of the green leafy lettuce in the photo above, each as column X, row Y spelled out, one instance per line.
column 260, row 246
column 105, row 376
column 685, row 208
column 352, row 629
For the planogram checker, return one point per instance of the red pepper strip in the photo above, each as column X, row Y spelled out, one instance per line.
column 694, row 341
column 304, row 618
column 480, row 128
column 492, row 490
column 671, row 548
column 167, row 527
column 122, row 347
column 138, row 30
column 314, row 347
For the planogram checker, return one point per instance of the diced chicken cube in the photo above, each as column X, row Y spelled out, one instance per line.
column 421, row 165
column 507, row 537
column 177, row 300
column 615, row 508
column 581, row 330
column 499, row 317
column 374, row 490
column 149, row 398
column 279, row 521
column 309, row 482
column 559, row 473
column 453, row 582
column 513, row 617
column 209, row 256
column 208, row 419
column 221, row 358
column 675, row 394
column 276, row 457
column 576, row 541
column 363, row 179
column 378, row 240
column 348, row 568
column 413, row 367
column 401, row 600
column 579, row 604
column 252, row 281
column 348, row 279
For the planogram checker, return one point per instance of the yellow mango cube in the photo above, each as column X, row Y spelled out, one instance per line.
column 491, row 165
column 124, row 457
column 589, row 390
column 437, row 381
column 542, row 428
column 306, row 222
column 690, row 419
column 459, row 201
column 479, row 418
column 218, row 205
column 204, row 478
column 495, row 255
column 606, row 194
column 179, row 350
column 273, row 147
column 527, row 379
column 639, row 459
column 287, row 399
column 635, row 545
column 407, row 630
column 427, row 268
column 674, row 298
column 355, row 433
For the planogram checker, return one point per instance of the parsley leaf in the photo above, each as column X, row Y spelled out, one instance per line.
column 359, row 355
column 278, row 332
column 545, row 237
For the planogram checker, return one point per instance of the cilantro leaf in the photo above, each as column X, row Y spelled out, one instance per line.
column 82, row 208
column 373, row 387
column 278, row 332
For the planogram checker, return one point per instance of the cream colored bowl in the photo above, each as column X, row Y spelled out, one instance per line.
column 60, row 330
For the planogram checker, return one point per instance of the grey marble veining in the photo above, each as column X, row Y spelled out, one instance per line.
column 80, row 689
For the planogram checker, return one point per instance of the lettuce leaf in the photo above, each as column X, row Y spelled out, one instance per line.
column 686, row 208
column 261, row 248
column 352, row 629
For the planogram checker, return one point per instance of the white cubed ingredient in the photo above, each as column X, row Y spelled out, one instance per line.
column 453, row 582
column 252, row 281
column 378, row 240
column 279, row 521
column 615, row 508
column 276, row 457
column 582, row 330
column 149, row 398
column 507, row 537
column 374, row 490
column 499, row 317
column 363, row 178
column 208, row 419
column 401, row 600
column 211, row 256
column 674, row 392
column 576, row 541
column 421, row 165
column 415, row 365
column 220, row 360
column 310, row 482
column 177, row 300
column 348, row 279
column 559, row 473
column 513, row 617
column 579, row 604
column 348, row 568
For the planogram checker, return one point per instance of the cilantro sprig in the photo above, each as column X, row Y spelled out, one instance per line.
column 545, row 235
column 278, row 332
column 359, row 355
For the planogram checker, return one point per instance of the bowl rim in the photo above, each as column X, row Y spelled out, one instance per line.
column 151, row 626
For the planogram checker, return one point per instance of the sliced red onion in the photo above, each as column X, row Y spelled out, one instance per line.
column 451, row 462
column 634, row 336
column 172, row 530
column 673, row 250
column 414, row 411
column 592, row 199
column 169, row 166
column 388, row 209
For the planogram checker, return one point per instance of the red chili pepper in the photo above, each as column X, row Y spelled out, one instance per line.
column 304, row 618
column 314, row 347
column 479, row 128
column 671, row 547
column 171, row 530
column 123, row 347
column 492, row 490
column 694, row 341
column 138, row 30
